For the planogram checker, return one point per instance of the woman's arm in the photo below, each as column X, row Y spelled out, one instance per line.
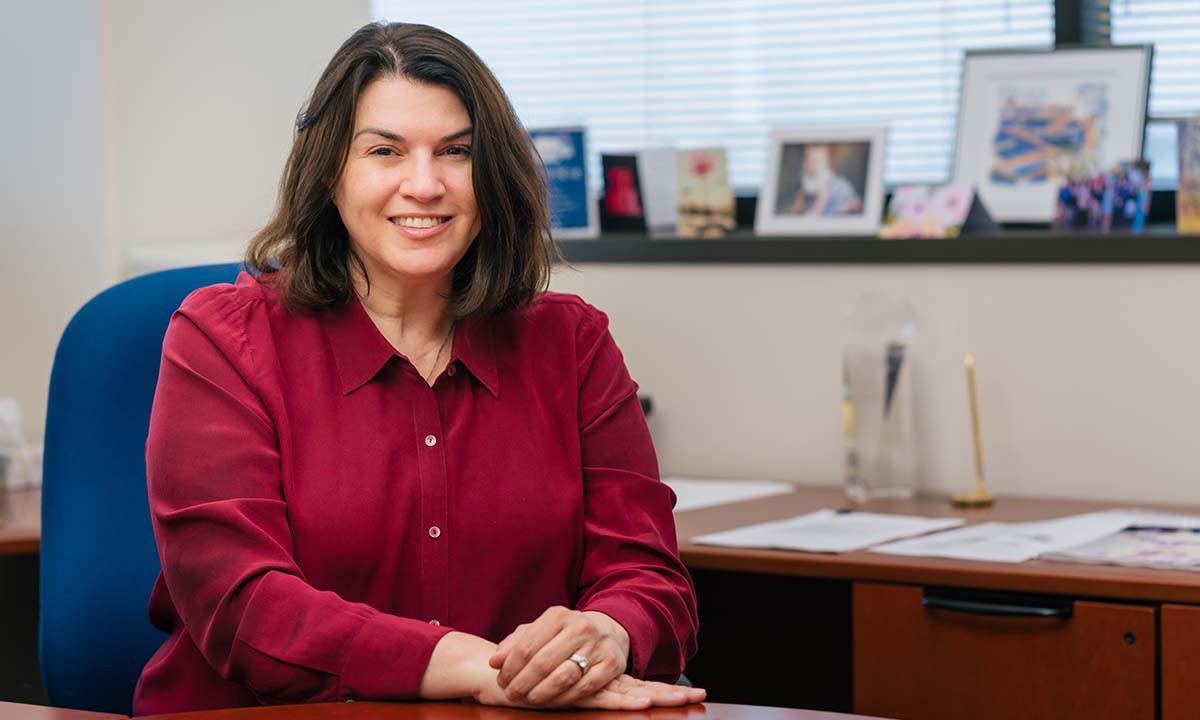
column 221, row 522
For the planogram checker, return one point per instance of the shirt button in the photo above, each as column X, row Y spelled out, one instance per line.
column 434, row 622
column 430, row 440
column 435, row 532
column 451, row 370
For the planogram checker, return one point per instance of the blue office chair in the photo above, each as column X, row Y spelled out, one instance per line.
column 98, row 558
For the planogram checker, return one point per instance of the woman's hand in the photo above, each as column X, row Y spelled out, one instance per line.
column 628, row 693
column 535, row 665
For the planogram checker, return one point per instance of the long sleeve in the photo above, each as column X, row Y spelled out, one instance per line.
column 631, row 569
column 222, row 525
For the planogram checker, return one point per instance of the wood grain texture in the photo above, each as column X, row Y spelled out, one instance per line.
column 914, row 663
column 463, row 711
column 20, row 521
column 1179, row 648
column 1035, row 576
column 17, row 711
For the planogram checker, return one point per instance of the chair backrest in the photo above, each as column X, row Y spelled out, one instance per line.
column 98, row 557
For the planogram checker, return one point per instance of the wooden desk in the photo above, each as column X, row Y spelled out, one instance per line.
column 20, row 521
column 17, row 711
column 463, row 711
column 850, row 631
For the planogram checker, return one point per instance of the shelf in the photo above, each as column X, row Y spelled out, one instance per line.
column 1010, row 246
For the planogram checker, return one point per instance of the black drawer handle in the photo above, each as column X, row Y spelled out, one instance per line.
column 982, row 607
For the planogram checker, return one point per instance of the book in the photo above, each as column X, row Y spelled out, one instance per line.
column 706, row 206
column 1187, row 196
column 659, row 184
column 564, row 155
column 622, row 207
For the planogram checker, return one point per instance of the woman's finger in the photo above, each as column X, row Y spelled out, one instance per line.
column 497, row 659
column 531, row 640
column 551, row 668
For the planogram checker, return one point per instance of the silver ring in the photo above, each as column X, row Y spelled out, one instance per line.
column 579, row 660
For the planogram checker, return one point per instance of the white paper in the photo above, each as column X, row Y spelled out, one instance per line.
column 692, row 494
column 828, row 531
column 1015, row 542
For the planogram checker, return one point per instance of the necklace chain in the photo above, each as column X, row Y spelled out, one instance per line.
column 437, row 360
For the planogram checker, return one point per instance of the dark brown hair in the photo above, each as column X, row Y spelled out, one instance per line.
column 305, row 249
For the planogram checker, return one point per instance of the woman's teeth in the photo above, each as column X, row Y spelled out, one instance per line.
column 418, row 222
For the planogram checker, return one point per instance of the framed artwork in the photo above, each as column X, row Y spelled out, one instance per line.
column 822, row 182
column 1029, row 120
column 563, row 152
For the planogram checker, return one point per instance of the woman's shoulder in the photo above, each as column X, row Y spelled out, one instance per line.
column 228, row 310
column 565, row 312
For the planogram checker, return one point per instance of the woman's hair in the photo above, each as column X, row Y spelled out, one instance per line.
column 305, row 247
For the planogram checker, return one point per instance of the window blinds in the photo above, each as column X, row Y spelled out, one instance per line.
column 698, row 73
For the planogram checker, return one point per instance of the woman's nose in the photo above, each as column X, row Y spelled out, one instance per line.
column 422, row 181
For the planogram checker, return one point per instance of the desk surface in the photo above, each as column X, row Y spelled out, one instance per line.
column 17, row 711
column 1033, row 576
column 463, row 711
column 20, row 521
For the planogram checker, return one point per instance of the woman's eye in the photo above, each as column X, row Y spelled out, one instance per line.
column 382, row 151
column 459, row 150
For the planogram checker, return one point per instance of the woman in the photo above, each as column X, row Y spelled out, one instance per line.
column 390, row 466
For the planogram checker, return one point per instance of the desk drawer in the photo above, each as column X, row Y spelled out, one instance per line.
column 924, row 655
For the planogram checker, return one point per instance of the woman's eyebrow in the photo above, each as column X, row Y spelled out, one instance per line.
column 394, row 137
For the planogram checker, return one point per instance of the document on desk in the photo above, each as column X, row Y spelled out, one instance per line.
column 692, row 494
column 827, row 531
column 1013, row 542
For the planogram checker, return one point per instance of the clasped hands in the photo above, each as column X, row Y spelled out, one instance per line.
column 536, row 669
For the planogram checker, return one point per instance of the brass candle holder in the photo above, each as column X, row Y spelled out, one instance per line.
column 980, row 497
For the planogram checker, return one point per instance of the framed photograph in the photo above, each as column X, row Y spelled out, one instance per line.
column 1030, row 119
column 573, row 213
column 822, row 182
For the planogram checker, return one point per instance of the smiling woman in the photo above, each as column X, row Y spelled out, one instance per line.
column 391, row 465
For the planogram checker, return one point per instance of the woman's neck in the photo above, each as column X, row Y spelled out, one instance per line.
column 412, row 319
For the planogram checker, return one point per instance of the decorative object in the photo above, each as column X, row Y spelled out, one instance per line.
column 706, row 208
column 1116, row 198
column 936, row 212
column 564, row 154
column 1029, row 119
column 979, row 497
column 822, row 182
column 878, row 401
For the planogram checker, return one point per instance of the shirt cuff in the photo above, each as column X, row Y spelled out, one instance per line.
column 643, row 633
column 388, row 658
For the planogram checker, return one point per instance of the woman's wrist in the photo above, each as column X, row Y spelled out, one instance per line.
column 612, row 628
column 459, row 668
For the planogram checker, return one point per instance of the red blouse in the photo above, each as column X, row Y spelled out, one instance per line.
column 324, row 517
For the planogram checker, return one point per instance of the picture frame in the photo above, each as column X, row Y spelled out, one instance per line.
column 1028, row 119
column 822, row 181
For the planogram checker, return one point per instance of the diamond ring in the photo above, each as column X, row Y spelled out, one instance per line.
column 579, row 660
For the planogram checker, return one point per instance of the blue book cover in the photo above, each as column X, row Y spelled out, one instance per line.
column 564, row 153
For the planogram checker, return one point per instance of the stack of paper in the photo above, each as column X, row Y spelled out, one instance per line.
column 1018, row 542
column 693, row 494
column 828, row 531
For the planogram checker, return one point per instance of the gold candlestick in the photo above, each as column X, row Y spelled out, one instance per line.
column 980, row 497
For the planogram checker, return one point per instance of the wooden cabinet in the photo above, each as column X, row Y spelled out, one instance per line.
column 929, row 654
column 1180, row 653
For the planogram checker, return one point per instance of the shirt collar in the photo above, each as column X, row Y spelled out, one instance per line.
column 360, row 351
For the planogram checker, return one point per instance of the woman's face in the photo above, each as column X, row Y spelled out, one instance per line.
column 405, row 194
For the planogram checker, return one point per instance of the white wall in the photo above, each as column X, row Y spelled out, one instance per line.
column 53, row 254
column 202, row 101
column 130, row 125
column 1087, row 374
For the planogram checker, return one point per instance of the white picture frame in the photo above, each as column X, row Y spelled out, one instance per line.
column 1029, row 117
column 799, row 197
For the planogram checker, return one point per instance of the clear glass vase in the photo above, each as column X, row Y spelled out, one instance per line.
column 877, row 392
